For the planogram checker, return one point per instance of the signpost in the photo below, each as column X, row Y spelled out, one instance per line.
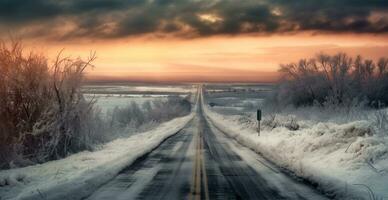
column 258, row 121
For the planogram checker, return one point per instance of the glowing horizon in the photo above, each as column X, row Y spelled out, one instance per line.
column 212, row 59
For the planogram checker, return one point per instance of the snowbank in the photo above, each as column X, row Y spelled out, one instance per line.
column 344, row 161
column 80, row 174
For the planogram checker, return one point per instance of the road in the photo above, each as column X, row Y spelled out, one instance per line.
column 200, row 162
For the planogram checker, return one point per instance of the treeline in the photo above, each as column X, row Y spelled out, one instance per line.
column 333, row 79
column 44, row 116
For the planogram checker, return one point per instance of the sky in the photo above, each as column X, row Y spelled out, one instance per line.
column 196, row 40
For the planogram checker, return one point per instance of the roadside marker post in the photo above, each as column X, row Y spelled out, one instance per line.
column 258, row 121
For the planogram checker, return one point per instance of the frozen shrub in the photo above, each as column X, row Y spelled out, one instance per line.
column 42, row 111
column 272, row 121
column 379, row 119
column 292, row 124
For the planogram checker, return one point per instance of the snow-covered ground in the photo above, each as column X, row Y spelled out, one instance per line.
column 343, row 160
column 107, row 97
column 236, row 99
column 107, row 102
column 139, row 88
column 79, row 174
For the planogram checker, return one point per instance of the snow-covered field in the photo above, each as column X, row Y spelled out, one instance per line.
column 125, row 89
column 79, row 174
column 344, row 160
column 107, row 97
column 236, row 99
column 106, row 102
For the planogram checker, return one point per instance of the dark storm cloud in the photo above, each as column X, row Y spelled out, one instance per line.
column 337, row 15
column 66, row 19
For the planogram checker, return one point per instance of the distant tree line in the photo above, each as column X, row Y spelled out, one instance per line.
column 333, row 79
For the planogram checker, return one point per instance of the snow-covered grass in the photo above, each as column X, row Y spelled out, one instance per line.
column 76, row 176
column 106, row 102
column 104, row 88
column 108, row 97
column 346, row 161
column 231, row 100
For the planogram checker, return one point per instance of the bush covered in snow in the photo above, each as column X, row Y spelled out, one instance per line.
column 41, row 108
column 333, row 79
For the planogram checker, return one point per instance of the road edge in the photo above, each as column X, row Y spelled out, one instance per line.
column 330, row 192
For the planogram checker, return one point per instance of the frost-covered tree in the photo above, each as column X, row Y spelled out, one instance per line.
column 333, row 79
column 42, row 111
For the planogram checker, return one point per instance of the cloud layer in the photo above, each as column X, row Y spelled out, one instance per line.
column 101, row 19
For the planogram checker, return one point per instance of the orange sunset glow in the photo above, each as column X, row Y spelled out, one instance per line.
column 214, row 59
column 215, row 42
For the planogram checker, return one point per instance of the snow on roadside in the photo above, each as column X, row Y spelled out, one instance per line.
column 80, row 174
column 343, row 160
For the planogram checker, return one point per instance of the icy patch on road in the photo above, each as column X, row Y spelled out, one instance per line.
column 343, row 160
column 80, row 174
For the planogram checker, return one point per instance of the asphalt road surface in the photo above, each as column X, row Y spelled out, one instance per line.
column 200, row 162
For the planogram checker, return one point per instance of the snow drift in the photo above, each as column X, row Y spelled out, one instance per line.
column 344, row 161
column 80, row 174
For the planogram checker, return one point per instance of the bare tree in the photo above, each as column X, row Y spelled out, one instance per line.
column 41, row 107
column 338, row 79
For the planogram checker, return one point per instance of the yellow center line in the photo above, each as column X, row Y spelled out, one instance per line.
column 195, row 179
column 198, row 174
column 192, row 184
column 199, row 171
column 204, row 173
